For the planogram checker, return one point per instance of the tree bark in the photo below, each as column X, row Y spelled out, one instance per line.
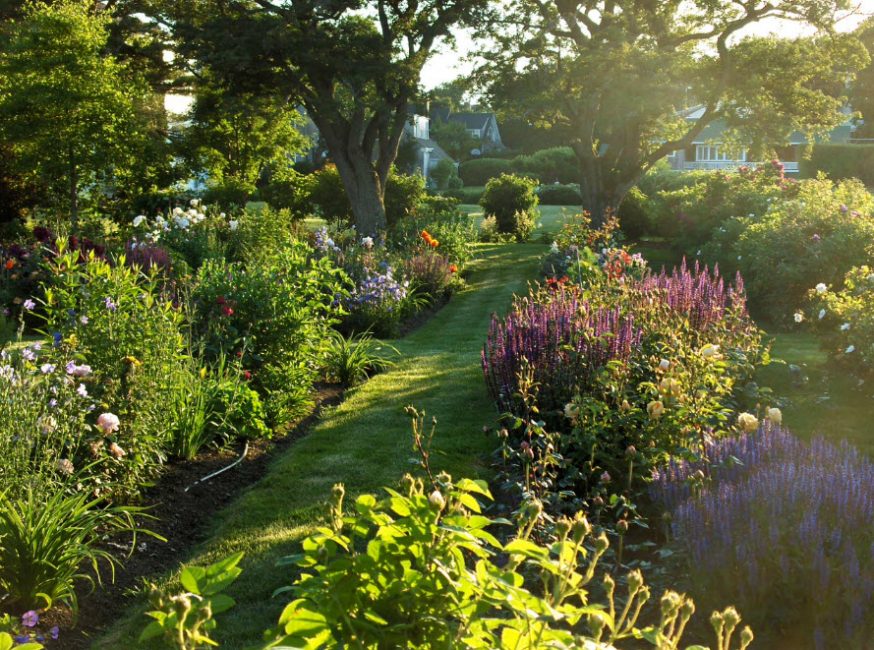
column 365, row 192
column 602, row 191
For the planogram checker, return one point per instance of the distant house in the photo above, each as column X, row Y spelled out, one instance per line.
column 428, row 152
column 483, row 126
column 707, row 152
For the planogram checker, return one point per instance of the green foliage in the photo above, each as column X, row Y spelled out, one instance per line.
column 613, row 86
column 512, row 200
column 403, row 194
column 67, row 109
column 481, row 170
column 286, row 189
column 559, row 195
column 417, row 568
column 184, row 621
column 817, row 236
column 442, row 172
column 454, row 230
column 843, row 317
column 274, row 316
column 51, row 539
column 469, row 195
column 349, row 360
column 634, row 214
column 256, row 235
column 233, row 138
column 554, row 165
column 840, row 161
column 454, row 138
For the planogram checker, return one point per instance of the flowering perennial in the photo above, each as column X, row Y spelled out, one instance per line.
column 564, row 342
column 784, row 522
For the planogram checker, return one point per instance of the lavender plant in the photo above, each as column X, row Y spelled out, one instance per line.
column 775, row 524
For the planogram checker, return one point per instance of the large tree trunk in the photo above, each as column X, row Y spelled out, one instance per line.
column 365, row 192
column 602, row 192
column 359, row 175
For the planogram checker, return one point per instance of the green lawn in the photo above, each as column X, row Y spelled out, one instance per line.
column 365, row 443
column 828, row 402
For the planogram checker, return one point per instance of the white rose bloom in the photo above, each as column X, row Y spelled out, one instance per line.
column 799, row 317
column 850, row 349
column 821, row 314
column 748, row 422
column 233, row 224
column 845, row 327
column 177, row 211
column 775, row 415
column 139, row 220
column 194, row 203
column 821, row 288
column 222, row 215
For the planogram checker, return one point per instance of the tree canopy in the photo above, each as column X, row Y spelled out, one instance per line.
column 67, row 111
column 612, row 77
column 353, row 64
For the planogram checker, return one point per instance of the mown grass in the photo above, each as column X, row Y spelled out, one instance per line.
column 365, row 444
column 820, row 400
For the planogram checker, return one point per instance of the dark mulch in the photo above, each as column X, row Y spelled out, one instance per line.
column 183, row 518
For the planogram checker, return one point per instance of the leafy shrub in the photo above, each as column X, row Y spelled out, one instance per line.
column 416, row 569
column 559, row 195
column 403, row 194
column 554, row 165
column 844, row 320
column 273, row 316
column 466, row 195
column 775, row 524
column 635, row 214
column 840, row 161
column 229, row 193
column 256, row 235
column 327, row 195
column 513, row 202
column 647, row 365
column 481, row 170
column 817, row 236
column 699, row 209
column 287, row 189
column 442, row 172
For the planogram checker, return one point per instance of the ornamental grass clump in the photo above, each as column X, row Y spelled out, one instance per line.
column 781, row 527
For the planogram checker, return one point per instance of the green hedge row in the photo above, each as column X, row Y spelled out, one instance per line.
column 841, row 161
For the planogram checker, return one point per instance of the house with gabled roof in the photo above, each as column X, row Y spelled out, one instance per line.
column 483, row 126
column 707, row 151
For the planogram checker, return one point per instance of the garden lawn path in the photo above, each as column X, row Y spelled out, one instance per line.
column 365, row 443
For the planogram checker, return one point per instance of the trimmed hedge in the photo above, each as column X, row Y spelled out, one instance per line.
column 470, row 195
column 549, row 165
column 559, row 195
column 840, row 161
column 481, row 170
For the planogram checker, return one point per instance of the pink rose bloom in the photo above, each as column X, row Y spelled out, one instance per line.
column 108, row 422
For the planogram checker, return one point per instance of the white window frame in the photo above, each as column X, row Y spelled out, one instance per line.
column 711, row 153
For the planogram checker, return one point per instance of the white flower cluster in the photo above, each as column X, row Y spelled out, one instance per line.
column 179, row 219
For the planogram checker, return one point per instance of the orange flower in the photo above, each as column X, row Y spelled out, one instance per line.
column 10, row 264
column 434, row 243
column 426, row 236
column 453, row 268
